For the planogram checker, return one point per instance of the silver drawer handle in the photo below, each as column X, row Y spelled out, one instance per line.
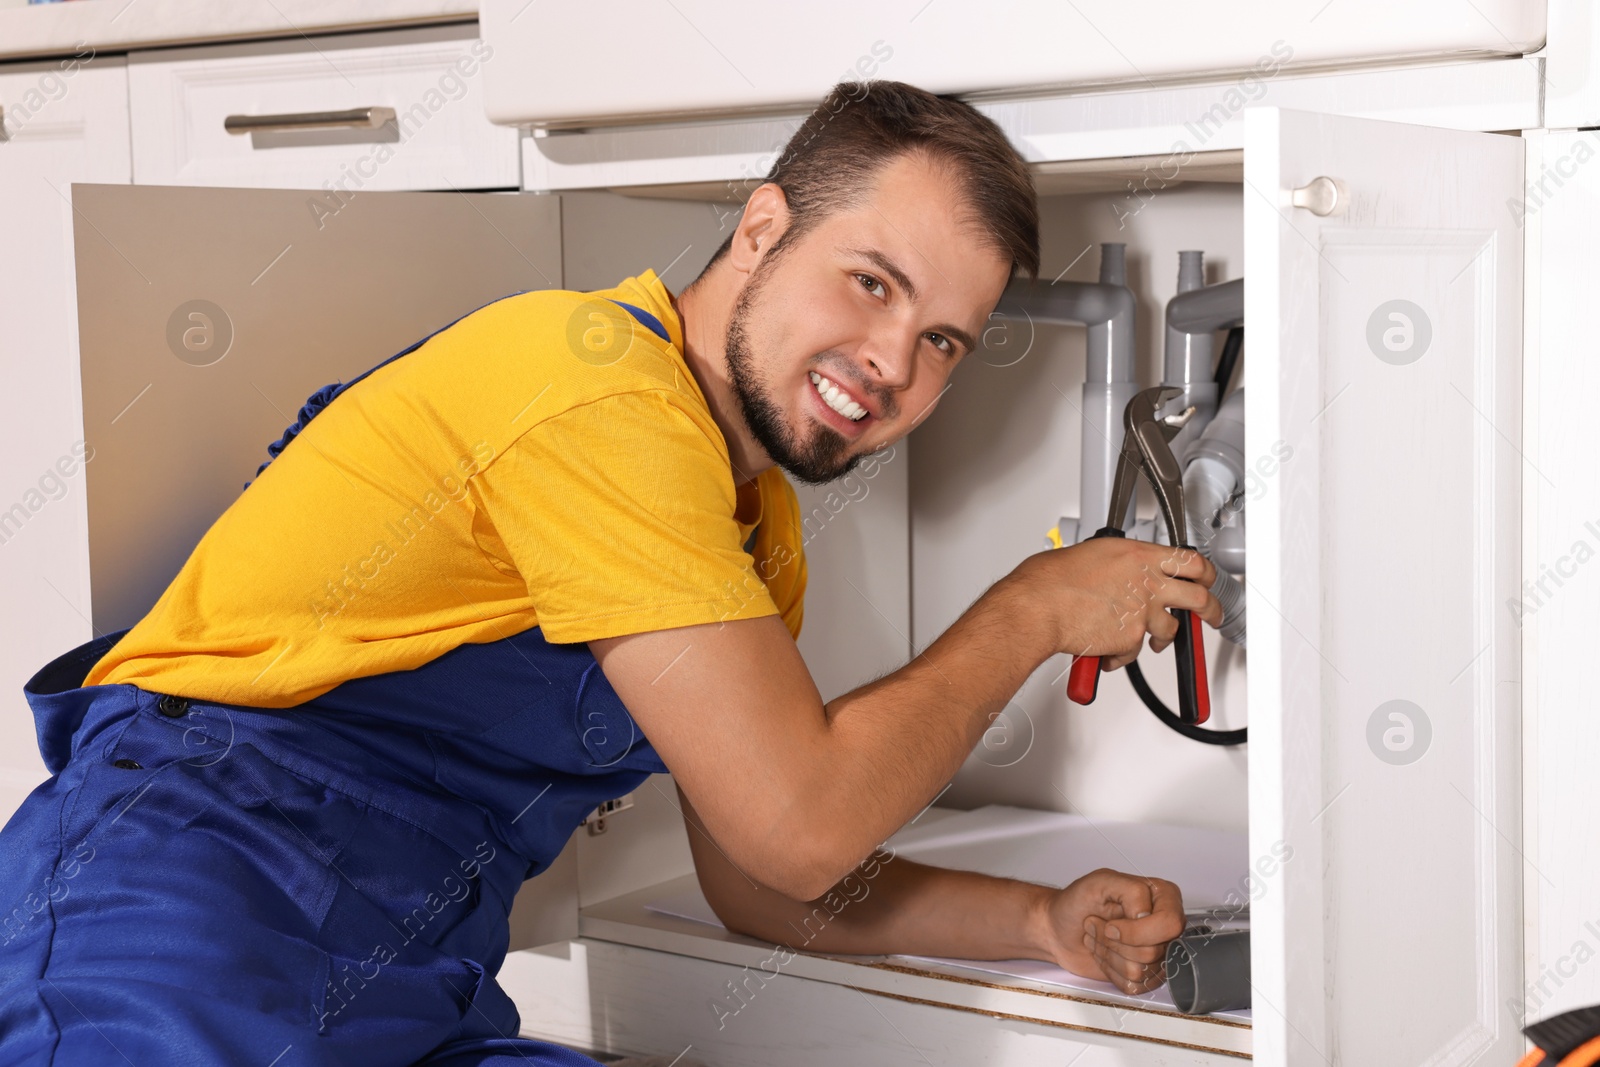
column 357, row 118
column 1321, row 196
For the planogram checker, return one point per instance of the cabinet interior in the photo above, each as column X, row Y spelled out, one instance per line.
column 959, row 503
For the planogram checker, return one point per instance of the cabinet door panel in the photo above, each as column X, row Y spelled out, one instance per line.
column 1558, row 602
column 179, row 409
column 1384, row 374
column 64, row 121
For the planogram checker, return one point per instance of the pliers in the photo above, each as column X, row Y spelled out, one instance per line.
column 1145, row 449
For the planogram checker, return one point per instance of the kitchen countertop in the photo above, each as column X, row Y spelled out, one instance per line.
column 44, row 30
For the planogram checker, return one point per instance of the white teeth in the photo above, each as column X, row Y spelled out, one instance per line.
column 836, row 398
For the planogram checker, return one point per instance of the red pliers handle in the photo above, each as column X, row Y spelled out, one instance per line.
column 1146, row 450
column 1083, row 681
column 1194, row 695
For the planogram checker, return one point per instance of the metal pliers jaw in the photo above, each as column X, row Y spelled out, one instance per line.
column 1146, row 449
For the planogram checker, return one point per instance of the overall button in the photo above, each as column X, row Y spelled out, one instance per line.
column 173, row 707
column 127, row 765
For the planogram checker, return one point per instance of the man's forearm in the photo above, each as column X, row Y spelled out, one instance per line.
column 892, row 905
column 1104, row 925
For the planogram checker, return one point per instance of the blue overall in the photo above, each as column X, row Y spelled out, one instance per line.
column 204, row 883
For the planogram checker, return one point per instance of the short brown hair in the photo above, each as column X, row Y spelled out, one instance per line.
column 861, row 127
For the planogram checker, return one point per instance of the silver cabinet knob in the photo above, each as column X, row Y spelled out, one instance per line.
column 1320, row 196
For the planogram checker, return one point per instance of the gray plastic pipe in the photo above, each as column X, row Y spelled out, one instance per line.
column 1107, row 308
column 1193, row 316
column 1190, row 355
column 1212, row 444
column 1209, row 972
column 1213, row 500
column 1214, row 483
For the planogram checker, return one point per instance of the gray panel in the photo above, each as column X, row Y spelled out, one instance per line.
column 207, row 316
column 607, row 237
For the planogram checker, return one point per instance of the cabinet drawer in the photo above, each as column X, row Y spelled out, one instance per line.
column 431, row 79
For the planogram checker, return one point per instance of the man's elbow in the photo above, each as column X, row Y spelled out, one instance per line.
column 789, row 845
column 781, row 914
column 803, row 868
column 803, row 887
column 799, row 864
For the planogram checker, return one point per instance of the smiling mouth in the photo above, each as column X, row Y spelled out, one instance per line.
column 837, row 399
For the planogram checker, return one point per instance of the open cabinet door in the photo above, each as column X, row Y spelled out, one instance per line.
column 208, row 316
column 1384, row 376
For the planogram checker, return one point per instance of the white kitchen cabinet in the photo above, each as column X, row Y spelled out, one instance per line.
column 724, row 61
column 1063, row 134
column 35, row 30
column 1389, row 618
column 1350, row 617
column 65, row 121
column 1350, row 612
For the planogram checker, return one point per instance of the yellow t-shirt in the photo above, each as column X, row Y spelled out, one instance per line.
column 545, row 461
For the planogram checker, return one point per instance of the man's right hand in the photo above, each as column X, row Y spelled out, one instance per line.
column 1105, row 594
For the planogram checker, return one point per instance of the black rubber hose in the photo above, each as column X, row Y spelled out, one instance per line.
column 1229, row 359
column 1225, row 368
column 1162, row 712
column 1226, row 364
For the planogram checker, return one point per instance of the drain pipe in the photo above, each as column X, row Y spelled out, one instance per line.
column 1213, row 500
column 1212, row 444
column 1193, row 317
column 1107, row 308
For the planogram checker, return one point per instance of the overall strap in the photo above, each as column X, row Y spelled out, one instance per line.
column 645, row 319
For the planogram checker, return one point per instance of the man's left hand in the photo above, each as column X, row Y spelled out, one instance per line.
column 1116, row 927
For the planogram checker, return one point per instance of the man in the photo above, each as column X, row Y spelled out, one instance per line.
column 535, row 558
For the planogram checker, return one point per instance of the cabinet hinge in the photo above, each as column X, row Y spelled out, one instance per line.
column 596, row 819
